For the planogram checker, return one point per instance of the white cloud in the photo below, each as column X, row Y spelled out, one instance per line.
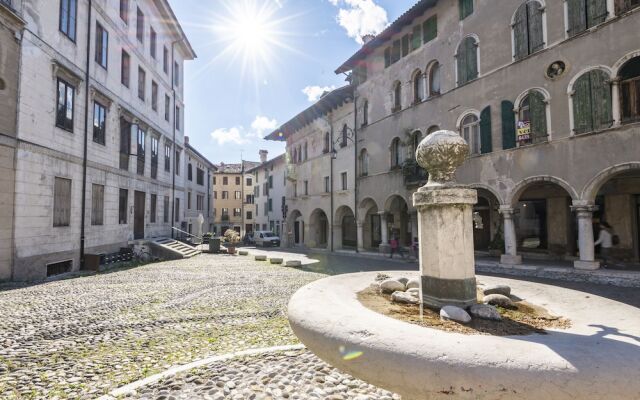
column 315, row 92
column 361, row 17
column 260, row 126
column 232, row 135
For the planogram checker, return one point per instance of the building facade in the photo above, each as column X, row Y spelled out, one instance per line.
column 100, row 138
column 545, row 92
column 198, row 192
column 233, row 187
column 270, row 194
column 11, row 26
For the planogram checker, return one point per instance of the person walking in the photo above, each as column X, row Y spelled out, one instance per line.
column 394, row 243
column 605, row 241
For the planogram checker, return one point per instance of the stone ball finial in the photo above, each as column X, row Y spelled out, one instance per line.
column 441, row 153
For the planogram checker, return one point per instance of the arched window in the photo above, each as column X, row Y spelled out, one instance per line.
column 365, row 113
column 416, row 138
column 582, row 15
column 396, row 153
column 327, row 142
column 432, row 129
column 528, row 35
column 467, row 60
column 397, row 97
column 630, row 91
column 190, row 172
column 592, row 102
column 364, row 163
column 470, row 131
column 418, row 87
column 344, row 136
column 532, row 119
column 434, row 79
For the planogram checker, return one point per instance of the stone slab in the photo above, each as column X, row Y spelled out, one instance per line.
column 260, row 258
column 243, row 253
column 293, row 263
column 276, row 260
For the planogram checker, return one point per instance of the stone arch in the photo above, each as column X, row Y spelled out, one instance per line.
column 295, row 228
column 490, row 190
column 615, row 70
column 345, row 228
column 318, row 229
column 592, row 188
column 523, row 185
column 396, row 208
column 577, row 76
column 370, row 220
column 464, row 114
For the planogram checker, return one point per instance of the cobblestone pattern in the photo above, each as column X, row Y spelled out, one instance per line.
column 80, row 338
column 288, row 375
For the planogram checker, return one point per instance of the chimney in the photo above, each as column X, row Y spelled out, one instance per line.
column 367, row 38
column 263, row 156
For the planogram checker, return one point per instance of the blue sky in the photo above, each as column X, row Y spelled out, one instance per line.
column 298, row 45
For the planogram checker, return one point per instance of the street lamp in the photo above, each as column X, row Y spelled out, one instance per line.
column 348, row 134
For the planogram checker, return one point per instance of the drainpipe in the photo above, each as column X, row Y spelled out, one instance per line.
column 86, row 139
column 355, row 162
column 331, row 148
column 175, row 161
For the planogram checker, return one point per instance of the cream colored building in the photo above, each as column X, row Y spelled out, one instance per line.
column 234, row 207
column 198, row 192
column 270, row 194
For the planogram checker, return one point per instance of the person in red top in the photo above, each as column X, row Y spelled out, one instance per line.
column 394, row 243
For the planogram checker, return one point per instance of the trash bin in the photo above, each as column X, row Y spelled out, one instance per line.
column 92, row 262
column 214, row 245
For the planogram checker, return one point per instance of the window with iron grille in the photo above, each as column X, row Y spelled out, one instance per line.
column 64, row 109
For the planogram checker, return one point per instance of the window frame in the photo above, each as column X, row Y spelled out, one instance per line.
column 142, row 84
column 125, row 68
column 67, row 124
column 97, row 207
column 65, row 209
column 102, row 46
column 139, row 25
column 124, row 11
column 99, row 117
column 68, row 30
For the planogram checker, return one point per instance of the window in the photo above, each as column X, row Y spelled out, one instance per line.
column 485, row 131
column 167, row 107
column 238, row 180
column 585, row 14
column 249, row 182
column 470, row 131
column 466, row 8
column 387, row 57
column 306, row 188
column 142, row 78
column 249, row 215
column 630, row 91
column 344, row 136
column 430, row 29
column 165, row 59
column 102, row 45
column 266, row 209
column 177, row 118
column 467, row 60
column 99, row 122
column 123, row 199
column 68, row 13
column 532, row 114
column 61, row 202
column 237, row 212
column 434, row 79
column 343, row 181
column 215, row 195
column 176, row 167
column 225, row 195
column 189, row 172
column 199, row 177
column 416, row 138
column 154, row 157
column 405, row 45
column 154, row 96
column 434, row 129
column 214, row 181
column 592, row 102
column 327, row 184
column 416, row 37
column 528, row 36
column 271, row 182
column 225, row 180
column 225, row 212
column 125, row 68
column 176, row 73
column 153, row 208
column 153, row 43
column 124, row 11
column 396, row 153
column 418, row 86
column 167, row 158
column 238, row 195
column 177, row 210
column 365, row 113
column 270, row 202
column 64, row 108
column 295, row 190
column 141, row 150
column 364, row 163
column 188, row 200
column 165, row 214
column 140, row 26
column 97, row 204
column 397, row 97
column 306, row 151
column 396, row 52
column 125, row 143
column 250, row 199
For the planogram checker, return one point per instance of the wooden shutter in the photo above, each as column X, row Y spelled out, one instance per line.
column 596, row 12
column 462, row 64
column 485, row 131
column 538, row 112
column 62, row 202
column 535, row 33
column 97, row 204
column 430, row 29
column 600, row 99
column 472, row 58
column 577, row 17
column 405, row 45
column 466, row 8
column 387, row 57
column 508, row 125
column 582, row 105
column 521, row 33
column 416, row 40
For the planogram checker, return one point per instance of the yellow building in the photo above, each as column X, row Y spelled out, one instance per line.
column 233, row 200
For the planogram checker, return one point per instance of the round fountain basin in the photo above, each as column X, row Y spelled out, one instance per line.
column 597, row 358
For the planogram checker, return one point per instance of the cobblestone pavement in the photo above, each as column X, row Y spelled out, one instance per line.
column 285, row 375
column 82, row 337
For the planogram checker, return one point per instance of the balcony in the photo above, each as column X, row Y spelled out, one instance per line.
column 414, row 175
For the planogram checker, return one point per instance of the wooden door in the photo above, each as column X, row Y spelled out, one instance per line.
column 296, row 232
column 138, row 215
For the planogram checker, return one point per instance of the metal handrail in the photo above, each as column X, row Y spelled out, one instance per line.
column 200, row 238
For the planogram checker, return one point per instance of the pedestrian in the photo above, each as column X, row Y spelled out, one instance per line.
column 394, row 244
column 605, row 241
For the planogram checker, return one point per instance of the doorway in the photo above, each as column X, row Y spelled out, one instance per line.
column 138, row 215
column 349, row 231
column 482, row 225
column 296, row 232
column 376, row 231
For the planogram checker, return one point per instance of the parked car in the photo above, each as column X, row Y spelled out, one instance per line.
column 266, row 239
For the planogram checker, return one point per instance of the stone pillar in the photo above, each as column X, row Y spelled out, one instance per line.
column 611, row 9
column 615, row 101
column 584, row 215
column 384, row 233
column 445, row 224
column 360, row 236
column 510, row 256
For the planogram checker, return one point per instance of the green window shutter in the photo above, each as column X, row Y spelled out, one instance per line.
column 462, row 65
column 396, row 51
column 472, row 59
column 405, row 45
column 430, row 29
column 508, row 125
column 387, row 57
column 536, row 35
column 577, row 16
column 600, row 99
column 538, row 112
column 521, row 33
column 416, row 41
column 596, row 12
column 582, row 105
column 466, row 8
column 485, row 131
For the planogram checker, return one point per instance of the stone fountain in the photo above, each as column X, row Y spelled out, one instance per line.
column 596, row 358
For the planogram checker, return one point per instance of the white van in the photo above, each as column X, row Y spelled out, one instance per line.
column 266, row 239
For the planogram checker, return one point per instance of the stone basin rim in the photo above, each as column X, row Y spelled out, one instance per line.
column 585, row 362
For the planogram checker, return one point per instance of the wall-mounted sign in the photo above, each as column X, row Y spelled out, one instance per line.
column 524, row 131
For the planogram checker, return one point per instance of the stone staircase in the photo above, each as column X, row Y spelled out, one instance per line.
column 174, row 249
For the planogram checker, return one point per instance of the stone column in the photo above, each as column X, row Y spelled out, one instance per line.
column 615, row 101
column 611, row 8
column 384, row 233
column 360, row 236
column 511, row 256
column 445, row 224
column 584, row 215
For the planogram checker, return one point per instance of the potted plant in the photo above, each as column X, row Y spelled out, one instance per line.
column 232, row 239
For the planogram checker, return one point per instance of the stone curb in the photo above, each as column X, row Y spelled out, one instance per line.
column 260, row 258
column 276, row 260
column 294, row 263
column 196, row 364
